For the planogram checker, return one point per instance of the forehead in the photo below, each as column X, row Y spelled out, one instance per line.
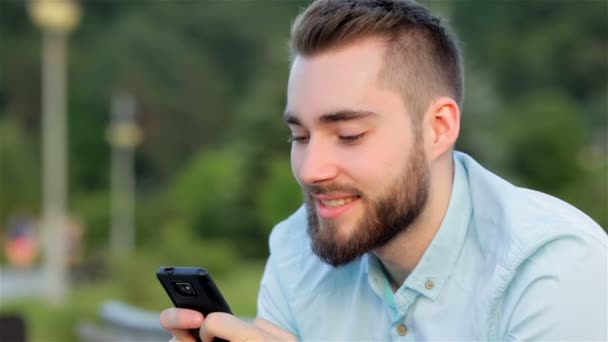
column 345, row 78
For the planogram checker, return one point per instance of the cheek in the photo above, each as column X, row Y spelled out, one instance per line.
column 377, row 167
column 295, row 163
column 368, row 168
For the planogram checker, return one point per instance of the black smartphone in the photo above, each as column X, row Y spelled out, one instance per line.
column 192, row 288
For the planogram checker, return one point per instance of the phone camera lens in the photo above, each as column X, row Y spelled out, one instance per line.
column 185, row 289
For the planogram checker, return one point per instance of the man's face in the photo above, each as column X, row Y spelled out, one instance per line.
column 355, row 152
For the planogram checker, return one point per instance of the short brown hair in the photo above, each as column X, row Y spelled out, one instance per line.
column 422, row 59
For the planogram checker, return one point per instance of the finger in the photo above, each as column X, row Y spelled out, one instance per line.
column 178, row 321
column 279, row 333
column 174, row 318
column 228, row 327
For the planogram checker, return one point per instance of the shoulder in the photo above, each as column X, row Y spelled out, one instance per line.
column 557, row 286
column 513, row 223
column 545, row 259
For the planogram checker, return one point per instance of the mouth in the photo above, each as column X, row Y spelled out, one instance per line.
column 328, row 207
column 332, row 203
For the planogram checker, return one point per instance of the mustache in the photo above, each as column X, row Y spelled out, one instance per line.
column 312, row 189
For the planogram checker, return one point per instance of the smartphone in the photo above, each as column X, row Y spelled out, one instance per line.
column 192, row 288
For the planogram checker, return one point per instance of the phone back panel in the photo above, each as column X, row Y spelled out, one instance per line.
column 206, row 297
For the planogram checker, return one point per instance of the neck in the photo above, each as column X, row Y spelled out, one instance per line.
column 401, row 255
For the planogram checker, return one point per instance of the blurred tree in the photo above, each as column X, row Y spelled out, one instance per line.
column 179, row 90
column 93, row 210
column 206, row 194
column 546, row 141
column 279, row 195
column 544, row 44
column 261, row 135
column 187, row 75
column 19, row 176
column 209, row 78
column 536, row 96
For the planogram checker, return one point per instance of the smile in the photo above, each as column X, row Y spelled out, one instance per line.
column 331, row 208
column 337, row 202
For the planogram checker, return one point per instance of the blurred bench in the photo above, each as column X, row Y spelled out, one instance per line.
column 123, row 322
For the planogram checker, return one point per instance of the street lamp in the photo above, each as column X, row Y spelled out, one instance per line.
column 124, row 135
column 56, row 18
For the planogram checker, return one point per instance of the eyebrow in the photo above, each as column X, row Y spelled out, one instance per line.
column 339, row 116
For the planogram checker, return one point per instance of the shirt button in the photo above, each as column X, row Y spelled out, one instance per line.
column 401, row 329
column 429, row 284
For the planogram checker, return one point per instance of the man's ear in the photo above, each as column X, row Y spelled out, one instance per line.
column 442, row 125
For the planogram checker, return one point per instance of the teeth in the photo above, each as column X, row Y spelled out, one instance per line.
column 337, row 202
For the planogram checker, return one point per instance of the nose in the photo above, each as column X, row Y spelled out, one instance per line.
column 314, row 163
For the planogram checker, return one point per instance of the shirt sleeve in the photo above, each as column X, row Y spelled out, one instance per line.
column 559, row 294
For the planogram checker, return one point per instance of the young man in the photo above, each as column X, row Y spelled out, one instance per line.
column 401, row 237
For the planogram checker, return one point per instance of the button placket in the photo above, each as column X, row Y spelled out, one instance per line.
column 404, row 300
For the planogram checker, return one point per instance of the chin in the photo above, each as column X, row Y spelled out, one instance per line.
column 343, row 232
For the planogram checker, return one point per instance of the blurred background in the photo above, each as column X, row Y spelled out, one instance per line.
column 155, row 129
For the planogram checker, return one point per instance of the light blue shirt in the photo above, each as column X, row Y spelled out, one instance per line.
column 506, row 264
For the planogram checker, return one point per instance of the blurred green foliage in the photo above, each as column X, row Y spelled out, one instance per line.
column 209, row 77
column 206, row 190
column 19, row 170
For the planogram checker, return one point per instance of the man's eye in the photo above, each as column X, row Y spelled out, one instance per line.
column 298, row 139
column 351, row 138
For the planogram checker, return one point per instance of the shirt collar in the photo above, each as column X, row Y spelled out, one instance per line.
column 437, row 262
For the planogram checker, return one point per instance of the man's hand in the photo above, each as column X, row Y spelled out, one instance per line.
column 179, row 321
column 222, row 325
column 228, row 327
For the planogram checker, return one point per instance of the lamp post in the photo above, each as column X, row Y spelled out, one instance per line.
column 124, row 135
column 56, row 19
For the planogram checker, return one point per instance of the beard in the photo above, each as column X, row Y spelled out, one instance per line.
column 385, row 217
